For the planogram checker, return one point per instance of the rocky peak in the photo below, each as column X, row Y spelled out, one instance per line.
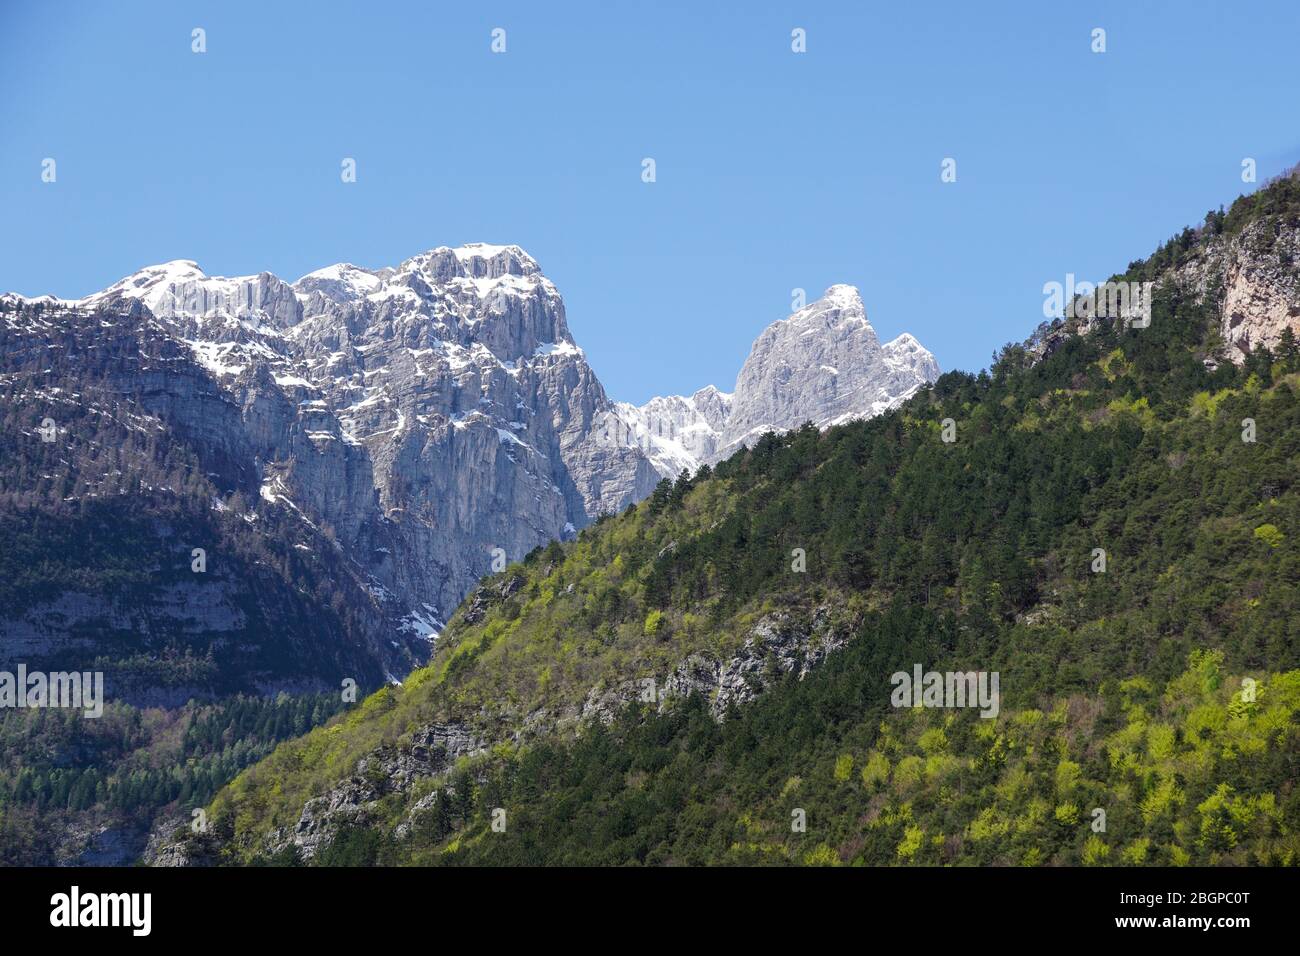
column 907, row 351
column 426, row 414
column 822, row 364
column 180, row 288
column 840, row 302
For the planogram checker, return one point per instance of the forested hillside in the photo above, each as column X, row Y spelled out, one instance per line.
column 1113, row 530
column 87, row 791
column 1182, row 774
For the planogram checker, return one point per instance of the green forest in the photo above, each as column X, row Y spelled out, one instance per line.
column 1138, row 775
column 58, row 770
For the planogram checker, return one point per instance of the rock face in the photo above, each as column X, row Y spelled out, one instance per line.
column 1248, row 277
column 823, row 364
column 1255, row 274
column 777, row 645
column 677, row 432
column 435, row 750
column 423, row 416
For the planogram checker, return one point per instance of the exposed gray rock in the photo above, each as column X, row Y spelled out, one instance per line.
column 420, row 416
column 417, row 810
column 434, row 750
column 823, row 364
column 167, row 846
column 676, row 432
column 1254, row 277
column 776, row 645
column 1249, row 279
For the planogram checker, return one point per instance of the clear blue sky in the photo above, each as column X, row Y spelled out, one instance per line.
column 775, row 170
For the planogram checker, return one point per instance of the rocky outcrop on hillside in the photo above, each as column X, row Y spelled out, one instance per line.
column 780, row 643
column 1248, row 277
column 434, row 751
column 1252, row 277
column 777, row 645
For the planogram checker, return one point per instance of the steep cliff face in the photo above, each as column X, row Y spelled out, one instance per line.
column 823, row 364
column 1252, row 276
column 417, row 418
column 135, row 543
column 677, row 432
column 1240, row 265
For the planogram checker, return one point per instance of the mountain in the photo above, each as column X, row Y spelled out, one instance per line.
column 1107, row 521
column 406, row 426
column 215, row 486
column 822, row 364
column 128, row 479
column 677, row 432
column 400, row 429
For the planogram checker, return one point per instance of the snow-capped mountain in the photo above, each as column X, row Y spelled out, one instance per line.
column 822, row 364
column 426, row 414
column 404, row 430
column 677, row 432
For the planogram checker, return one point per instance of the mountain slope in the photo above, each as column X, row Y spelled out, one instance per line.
column 823, row 772
column 800, row 574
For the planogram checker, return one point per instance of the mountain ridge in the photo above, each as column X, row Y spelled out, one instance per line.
column 412, row 427
column 403, row 383
column 792, row 375
column 760, row 607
